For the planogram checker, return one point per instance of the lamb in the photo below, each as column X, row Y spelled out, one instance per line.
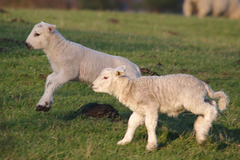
column 70, row 61
column 172, row 94
column 227, row 8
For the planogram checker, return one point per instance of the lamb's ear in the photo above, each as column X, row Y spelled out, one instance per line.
column 120, row 71
column 51, row 28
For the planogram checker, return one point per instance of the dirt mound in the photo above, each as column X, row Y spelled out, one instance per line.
column 98, row 111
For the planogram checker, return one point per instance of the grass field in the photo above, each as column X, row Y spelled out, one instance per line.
column 206, row 48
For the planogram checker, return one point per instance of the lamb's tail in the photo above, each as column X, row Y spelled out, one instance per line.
column 223, row 99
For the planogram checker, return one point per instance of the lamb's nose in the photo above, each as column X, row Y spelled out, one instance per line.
column 92, row 85
column 28, row 45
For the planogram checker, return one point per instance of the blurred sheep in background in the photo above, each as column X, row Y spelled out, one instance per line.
column 216, row 8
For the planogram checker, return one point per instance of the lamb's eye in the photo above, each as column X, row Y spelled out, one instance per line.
column 105, row 77
column 36, row 34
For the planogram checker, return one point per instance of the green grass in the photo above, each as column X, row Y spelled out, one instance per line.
column 206, row 48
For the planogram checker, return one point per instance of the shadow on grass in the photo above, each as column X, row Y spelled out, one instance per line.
column 171, row 136
column 170, row 128
column 177, row 127
column 185, row 122
column 225, row 136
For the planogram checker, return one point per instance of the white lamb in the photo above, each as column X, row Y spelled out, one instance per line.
column 171, row 94
column 70, row 61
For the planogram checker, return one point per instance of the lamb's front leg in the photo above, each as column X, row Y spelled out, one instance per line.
column 52, row 83
column 151, row 124
column 134, row 121
column 48, row 81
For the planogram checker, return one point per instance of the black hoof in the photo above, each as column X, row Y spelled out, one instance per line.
column 202, row 143
column 42, row 108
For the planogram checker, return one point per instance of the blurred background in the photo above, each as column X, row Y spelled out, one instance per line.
column 163, row 6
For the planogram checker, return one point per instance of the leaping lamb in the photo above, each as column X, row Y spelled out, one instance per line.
column 70, row 61
column 146, row 96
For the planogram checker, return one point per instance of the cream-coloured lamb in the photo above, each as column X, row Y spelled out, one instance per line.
column 172, row 94
column 202, row 8
column 70, row 61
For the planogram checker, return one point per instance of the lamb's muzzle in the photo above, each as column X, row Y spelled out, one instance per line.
column 29, row 46
column 93, row 88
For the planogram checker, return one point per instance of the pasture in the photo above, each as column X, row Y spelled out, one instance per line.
column 207, row 48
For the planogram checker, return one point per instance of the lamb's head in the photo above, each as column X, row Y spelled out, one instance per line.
column 106, row 79
column 39, row 36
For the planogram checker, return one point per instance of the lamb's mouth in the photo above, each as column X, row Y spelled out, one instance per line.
column 29, row 46
column 94, row 88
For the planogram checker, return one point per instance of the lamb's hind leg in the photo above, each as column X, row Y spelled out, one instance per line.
column 134, row 121
column 204, row 120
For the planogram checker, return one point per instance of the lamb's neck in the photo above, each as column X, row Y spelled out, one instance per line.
column 122, row 88
column 56, row 44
